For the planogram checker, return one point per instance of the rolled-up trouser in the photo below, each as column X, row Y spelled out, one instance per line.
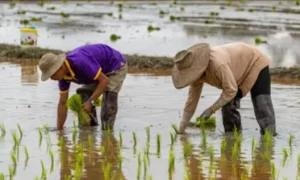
column 262, row 103
column 109, row 107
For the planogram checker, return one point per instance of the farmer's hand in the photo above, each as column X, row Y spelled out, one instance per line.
column 87, row 106
column 184, row 122
column 207, row 113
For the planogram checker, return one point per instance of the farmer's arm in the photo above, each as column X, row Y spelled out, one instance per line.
column 194, row 94
column 102, row 83
column 62, row 110
column 62, row 104
column 229, row 86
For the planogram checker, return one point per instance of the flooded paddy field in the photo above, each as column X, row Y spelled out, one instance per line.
column 28, row 150
column 145, row 101
column 133, row 25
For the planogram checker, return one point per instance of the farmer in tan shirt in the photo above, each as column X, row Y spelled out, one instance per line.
column 236, row 69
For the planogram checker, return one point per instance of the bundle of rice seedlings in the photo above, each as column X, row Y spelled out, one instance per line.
column 209, row 123
column 75, row 104
column 201, row 122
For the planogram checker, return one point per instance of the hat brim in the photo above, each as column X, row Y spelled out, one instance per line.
column 60, row 60
column 185, row 77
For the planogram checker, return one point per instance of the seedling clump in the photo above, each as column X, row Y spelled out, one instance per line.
column 74, row 103
column 114, row 37
column 151, row 28
column 209, row 123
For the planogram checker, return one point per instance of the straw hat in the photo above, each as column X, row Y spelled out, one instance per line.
column 190, row 64
column 50, row 63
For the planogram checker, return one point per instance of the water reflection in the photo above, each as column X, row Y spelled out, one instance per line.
column 228, row 165
column 29, row 70
column 29, row 73
column 98, row 156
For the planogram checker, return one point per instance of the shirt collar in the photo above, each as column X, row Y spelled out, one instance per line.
column 67, row 63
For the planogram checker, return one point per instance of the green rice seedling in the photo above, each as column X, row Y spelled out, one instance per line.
column 3, row 131
column 74, row 103
column 161, row 13
column 204, row 137
column 291, row 139
column 134, row 139
column 107, row 171
column 172, row 136
column 158, row 144
column 174, row 126
column 120, row 139
column 285, row 155
column 26, row 155
column 209, row 123
column 15, row 139
column 171, row 161
column 147, row 129
column 74, row 135
column 46, row 127
column 145, row 165
column 273, row 171
column 12, row 171
column 211, row 153
column 186, row 173
column 120, row 161
column 2, row 176
column 299, row 161
column 223, row 145
column 64, row 15
column 40, row 136
column 20, row 131
column 44, row 171
column 181, row 8
column 51, row 8
column 74, row 124
column 297, row 2
column 235, row 150
column 258, row 40
column 147, row 149
column 187, row 149
column 266, row 155
column 151, row 28
column 13, row 158
column 61, row 142
column 253, row 146
column 139, row 166
column 90, row 139
column 102, row 150
column 114, row 37
column 268, row 139
column 52, row 160
column 229, row 3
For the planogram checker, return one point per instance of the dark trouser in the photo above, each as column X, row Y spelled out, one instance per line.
column 262, row 103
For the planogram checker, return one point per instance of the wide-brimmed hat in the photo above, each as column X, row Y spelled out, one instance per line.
column 50, row 63
column 190, row 64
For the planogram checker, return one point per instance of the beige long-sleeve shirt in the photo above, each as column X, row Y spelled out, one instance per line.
column 231, row 67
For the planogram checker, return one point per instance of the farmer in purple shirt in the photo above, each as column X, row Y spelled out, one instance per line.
column 100, row 68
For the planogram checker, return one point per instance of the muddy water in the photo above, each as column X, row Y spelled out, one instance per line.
column 145, row 100
column 89, row 23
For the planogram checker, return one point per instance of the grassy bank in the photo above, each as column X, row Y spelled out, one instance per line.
column 137, row 63
column 134, row 61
